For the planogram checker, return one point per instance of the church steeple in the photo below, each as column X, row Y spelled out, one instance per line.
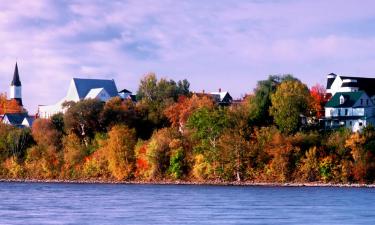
column 15, row 87
column 16, row 77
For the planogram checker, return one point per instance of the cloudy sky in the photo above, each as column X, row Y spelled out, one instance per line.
column 214, row 44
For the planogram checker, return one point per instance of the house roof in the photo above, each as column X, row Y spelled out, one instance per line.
column 15, row 118
column 364, row 84
column 94, row 93
column 29, row 120
column 84, row 86
column 220, row 95
column 350, row 99
column 125, row 91
column 16, row 77
column 330, row 80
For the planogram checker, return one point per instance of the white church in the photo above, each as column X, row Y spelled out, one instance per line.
column 80, row 89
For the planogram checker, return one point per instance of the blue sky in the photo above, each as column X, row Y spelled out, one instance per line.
column 214, row 44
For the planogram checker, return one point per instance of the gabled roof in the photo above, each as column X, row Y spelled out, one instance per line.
column 28, row 121
column 84, row 86
column 220, row 95
column 98, row 93
column 16, row 77
column 93, row 93
column 330, row 80
column 15, row 118
column 350, row 99
column 125, row 91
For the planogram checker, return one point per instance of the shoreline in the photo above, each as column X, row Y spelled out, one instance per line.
column 193, row 183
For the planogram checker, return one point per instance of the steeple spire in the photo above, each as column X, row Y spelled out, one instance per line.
column 16, row 77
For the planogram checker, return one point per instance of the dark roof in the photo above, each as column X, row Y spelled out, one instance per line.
column 85, row 85
column 16, row 77
column 364, row 84
column 350, row 99
column 350, row 84
column 330, row 80
column 15, row 118
column 125, row 91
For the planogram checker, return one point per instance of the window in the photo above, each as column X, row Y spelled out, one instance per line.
column 339, row 112
column 360, row 124
column 342, row 100
column 350, row 123
column 366, row 101
column 361, row 101
column 346, row 112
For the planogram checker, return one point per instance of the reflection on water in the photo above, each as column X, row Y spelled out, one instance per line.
column 33, row 203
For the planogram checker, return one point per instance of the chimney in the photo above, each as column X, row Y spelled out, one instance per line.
column 203, row 91
column 219, row 90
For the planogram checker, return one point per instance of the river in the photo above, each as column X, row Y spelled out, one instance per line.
column 58, row 203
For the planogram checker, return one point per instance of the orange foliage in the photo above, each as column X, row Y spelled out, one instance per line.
column 142, row 164
column 179, row 112
column 319, row 99
column 9, row 106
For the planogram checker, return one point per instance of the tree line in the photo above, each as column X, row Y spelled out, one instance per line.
column 170, row 133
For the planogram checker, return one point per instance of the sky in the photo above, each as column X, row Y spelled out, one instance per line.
column 225, row 44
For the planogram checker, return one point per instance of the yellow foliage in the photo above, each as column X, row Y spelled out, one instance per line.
column 120, row 149
column 202, row 169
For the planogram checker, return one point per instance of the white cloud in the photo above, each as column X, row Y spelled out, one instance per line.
column 217, row 44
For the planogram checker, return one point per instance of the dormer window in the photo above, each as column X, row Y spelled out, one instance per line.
column 342, row 100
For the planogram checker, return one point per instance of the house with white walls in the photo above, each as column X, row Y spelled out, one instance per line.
column 80, row 89
column 352, row 103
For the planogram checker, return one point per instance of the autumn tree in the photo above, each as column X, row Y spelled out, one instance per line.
column 309, row 166
column 82, row 118
column 156, row 95
column 179, row 112
column 45, row 133
column 74, row 153
column 318, row 100
column 10, row 106
column 43, row 160
column 232, row 150
column 207, row 125
column 120, row 149
column 260, row 101
column 289, row 102
column 159, row 151
column 364, row 168
column 117, row 111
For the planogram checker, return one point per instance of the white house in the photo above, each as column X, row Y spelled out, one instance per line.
column 222, row 97
column 338, row 83
column 354, row 110
column 80, row 89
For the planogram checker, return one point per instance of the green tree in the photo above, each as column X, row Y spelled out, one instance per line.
column 289, row 102
column 156, row 95
column 117, row 111
column 207, row 126
column 82, row 118
column 260, row 102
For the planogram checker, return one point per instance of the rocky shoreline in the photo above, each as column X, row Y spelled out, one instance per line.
column 212, row 183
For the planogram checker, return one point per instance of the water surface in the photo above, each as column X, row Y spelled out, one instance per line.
column 38, row 203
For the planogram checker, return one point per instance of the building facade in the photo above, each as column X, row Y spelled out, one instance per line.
column 352, row 103
column 80, row 89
